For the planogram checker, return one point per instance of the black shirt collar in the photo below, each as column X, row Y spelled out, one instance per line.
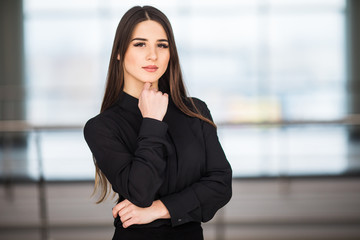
column 128, row 103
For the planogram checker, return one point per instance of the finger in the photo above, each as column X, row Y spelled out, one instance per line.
column 130, row 222
column 118, row 207
column 114, row 212
column 126, row 217
column 124, row 211
column 147, row 86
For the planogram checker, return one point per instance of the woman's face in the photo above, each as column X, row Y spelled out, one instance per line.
column 147, row 56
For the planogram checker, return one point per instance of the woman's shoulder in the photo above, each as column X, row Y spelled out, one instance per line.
column 198, row 102
column 104, row 121
column 200, row 105
column 95, row 125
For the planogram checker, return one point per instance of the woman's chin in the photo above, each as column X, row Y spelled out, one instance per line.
column 150, row 80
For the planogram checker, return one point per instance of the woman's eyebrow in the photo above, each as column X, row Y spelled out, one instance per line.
column 144, row 39
column 139, row 39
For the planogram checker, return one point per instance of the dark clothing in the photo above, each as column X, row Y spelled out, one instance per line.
column 188, row 231
column 178, row 160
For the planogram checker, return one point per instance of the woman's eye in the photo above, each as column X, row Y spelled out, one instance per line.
column 163, row 45
column 140, row 44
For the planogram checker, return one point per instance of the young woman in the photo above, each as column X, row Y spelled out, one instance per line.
column 157, row 148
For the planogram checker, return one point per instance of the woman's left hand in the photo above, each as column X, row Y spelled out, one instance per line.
column 131, row 214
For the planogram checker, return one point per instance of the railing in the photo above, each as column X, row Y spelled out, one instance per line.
column 24, row 126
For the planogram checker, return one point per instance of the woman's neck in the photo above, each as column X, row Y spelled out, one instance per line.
column 135, row 89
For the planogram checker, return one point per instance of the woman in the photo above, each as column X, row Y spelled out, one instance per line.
column 157, row 148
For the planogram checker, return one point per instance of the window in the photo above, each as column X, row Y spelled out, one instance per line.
column 249, row 60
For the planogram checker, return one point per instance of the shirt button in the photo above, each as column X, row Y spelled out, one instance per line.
column 179, row 220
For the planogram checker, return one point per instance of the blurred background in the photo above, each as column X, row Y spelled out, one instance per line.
column 281, row 78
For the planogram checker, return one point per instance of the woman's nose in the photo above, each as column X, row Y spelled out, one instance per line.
column 152, row 54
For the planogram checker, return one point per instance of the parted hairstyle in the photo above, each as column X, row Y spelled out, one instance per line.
column 170, row 82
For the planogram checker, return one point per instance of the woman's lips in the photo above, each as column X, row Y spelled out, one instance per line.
column 150, row 68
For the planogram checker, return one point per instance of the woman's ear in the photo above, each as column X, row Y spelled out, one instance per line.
column 118, row 57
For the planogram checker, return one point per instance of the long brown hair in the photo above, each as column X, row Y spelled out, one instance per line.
column 171, row 82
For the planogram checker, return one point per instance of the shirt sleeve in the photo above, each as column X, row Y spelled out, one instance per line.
column 135, row 176
column 201, row 200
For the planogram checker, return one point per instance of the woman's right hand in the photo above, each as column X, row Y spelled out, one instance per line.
column 152, row 103
column 131, row 214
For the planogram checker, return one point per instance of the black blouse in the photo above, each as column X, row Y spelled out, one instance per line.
column 178, row 160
